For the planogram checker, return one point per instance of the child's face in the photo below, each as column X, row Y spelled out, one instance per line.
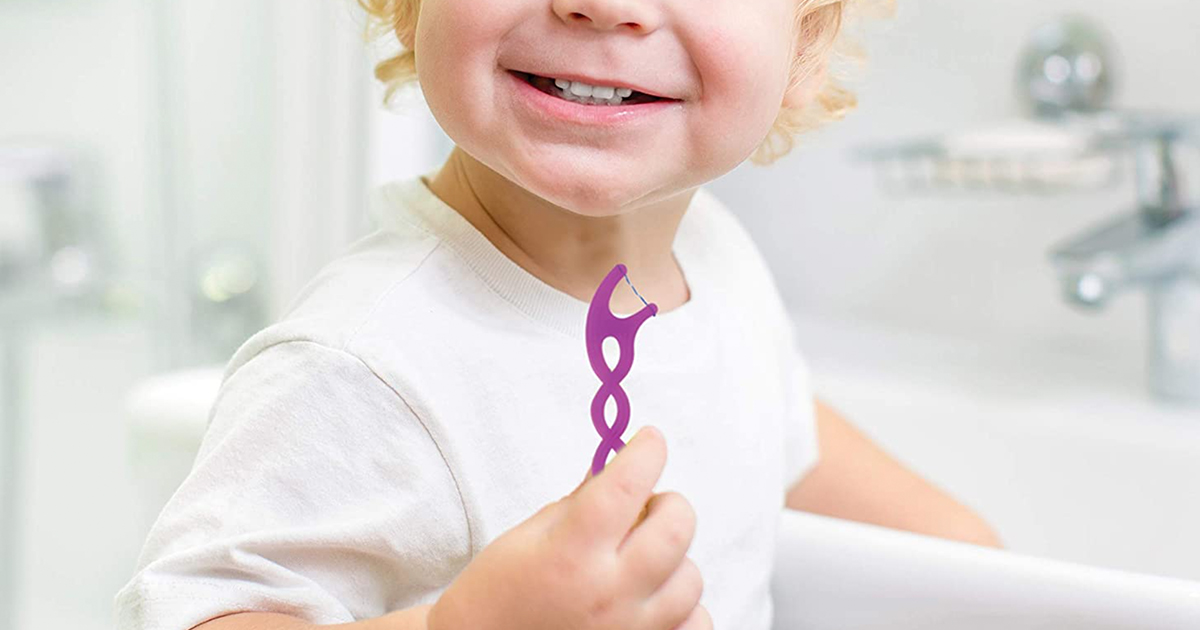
column 724, row 64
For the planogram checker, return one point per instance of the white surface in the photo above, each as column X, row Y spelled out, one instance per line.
column 174, row 406
column 836, row 575
column 1067, row 455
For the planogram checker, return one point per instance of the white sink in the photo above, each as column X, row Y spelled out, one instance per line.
column 1094, row 488
column 832, row 574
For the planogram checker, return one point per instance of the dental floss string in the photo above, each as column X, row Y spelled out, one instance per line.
column 602, row 324
column 635, row 291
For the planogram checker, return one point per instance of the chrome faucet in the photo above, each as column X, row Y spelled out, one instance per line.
column 1065, row 79
column 1157, row 248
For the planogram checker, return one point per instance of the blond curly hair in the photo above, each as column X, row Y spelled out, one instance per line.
column 820, row 24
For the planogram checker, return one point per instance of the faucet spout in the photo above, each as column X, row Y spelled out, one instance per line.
column 1135, row 249
column 1156, row 248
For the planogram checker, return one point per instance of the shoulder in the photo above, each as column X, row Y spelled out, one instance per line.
column 342, row 295
column 304, row 386
column 353, row 288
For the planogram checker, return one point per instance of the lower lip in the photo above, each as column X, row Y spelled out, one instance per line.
column 599, row 115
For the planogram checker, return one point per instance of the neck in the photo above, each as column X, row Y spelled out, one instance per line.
column 567, row 250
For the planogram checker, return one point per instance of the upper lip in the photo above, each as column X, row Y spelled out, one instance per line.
column 594, row 80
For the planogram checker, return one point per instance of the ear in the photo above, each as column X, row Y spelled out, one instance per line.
column 802, row 92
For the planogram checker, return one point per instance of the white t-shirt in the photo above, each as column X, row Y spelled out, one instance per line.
column 424, row 394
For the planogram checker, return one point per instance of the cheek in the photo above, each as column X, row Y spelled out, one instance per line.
column 745, row 76
column 455, row 71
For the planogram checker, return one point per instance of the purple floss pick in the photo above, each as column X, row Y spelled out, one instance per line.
column 602, row 324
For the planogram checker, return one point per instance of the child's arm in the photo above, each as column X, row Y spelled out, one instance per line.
column 414, row 618
column 856, row 480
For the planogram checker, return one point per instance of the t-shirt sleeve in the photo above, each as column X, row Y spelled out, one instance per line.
column 317, row 493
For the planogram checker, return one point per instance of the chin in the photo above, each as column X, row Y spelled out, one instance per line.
column 594, row 191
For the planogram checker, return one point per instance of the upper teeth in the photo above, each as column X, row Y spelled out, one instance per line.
column 591, row 94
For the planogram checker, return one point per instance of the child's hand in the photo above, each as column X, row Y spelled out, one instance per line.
column 608, row 556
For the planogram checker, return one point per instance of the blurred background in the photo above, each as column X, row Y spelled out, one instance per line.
column 172, row 173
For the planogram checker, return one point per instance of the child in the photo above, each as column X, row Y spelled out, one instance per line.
column 399, row 451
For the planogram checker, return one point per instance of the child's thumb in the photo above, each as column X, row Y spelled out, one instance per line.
column 589, row 475
column 586, row 476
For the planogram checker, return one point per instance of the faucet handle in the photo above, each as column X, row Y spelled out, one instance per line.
column 1159, row 190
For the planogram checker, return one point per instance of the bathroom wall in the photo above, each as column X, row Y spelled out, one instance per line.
column 76, row 74
column 207, row 122
column 971, row 265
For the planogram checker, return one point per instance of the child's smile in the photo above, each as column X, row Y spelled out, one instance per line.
column 590, row 92
column 583, row 103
